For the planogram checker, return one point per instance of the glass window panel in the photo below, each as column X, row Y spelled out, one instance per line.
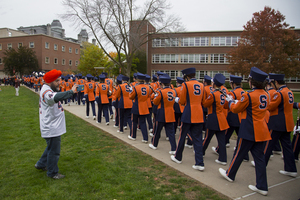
column 192, row 42
column 228, row 41
column 191, row 58
column 197, row 41
column 234, row 41
column 221, row 58
column 222, row 41
column 168, row 58
column 197, row 58
column 185, row 42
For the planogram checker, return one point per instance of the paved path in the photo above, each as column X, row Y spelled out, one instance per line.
column 280, row 186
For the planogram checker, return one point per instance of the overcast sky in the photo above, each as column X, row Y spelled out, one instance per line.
column 196, row 15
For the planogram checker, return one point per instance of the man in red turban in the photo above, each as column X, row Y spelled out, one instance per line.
column 52, row 121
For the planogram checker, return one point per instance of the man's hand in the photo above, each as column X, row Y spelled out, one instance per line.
column 74, row 88
column 176, row 99
column 229, row 98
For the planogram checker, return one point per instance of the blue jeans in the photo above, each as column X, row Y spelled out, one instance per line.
column 50, row 156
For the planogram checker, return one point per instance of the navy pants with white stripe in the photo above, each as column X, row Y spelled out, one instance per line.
column 169, row 127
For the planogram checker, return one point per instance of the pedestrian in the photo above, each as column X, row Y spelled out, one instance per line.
column 52, row 122
column 253, row 130
column 281, row 124
column 17, row 85
column 191, row 96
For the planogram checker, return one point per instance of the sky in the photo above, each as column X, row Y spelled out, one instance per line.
column 196, row 15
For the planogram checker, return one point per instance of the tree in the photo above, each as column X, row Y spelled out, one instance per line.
column 92, row 57
column 22, row 61
column 121, row 24
column 267, row 43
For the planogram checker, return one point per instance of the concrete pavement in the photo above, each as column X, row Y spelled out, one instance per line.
column 280, row 186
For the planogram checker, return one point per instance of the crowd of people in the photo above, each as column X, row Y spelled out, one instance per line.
column 261, row 117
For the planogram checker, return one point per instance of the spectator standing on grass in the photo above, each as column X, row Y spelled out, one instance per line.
column 17, row 85
column 52, row 122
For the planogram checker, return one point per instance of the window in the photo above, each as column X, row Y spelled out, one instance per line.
column 165, row 42
column 224, row 41
column 76, row 51
column 9, row 34
column 9, row 46
column 20, row 44
column 70, row 49
column 76, row 63
column 31, row 44
column 194, row 58
column 55, row 47
column 0, row 47
column 63, row 62
column 70, row 62
column 47, row 60
column 55, row 61
column 218, row 58
column 0, row 61
column 63, row 48
column 46, row 45
column 164, row 58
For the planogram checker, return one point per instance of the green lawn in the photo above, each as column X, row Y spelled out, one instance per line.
column 96, row 165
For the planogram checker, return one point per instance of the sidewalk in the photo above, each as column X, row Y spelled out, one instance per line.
column 280, row 186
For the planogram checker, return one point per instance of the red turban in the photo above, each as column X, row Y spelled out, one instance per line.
column 52, row 75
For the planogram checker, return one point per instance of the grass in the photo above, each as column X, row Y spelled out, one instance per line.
column 96, row 165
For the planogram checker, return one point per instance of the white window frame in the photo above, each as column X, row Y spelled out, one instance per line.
column 70, row 49
column 55, row 59
column 63, row 48
column 47, row 45
column 31, row 46
column 9, row 46
column 76, row 51
column 55, row 47
column 47, row 60
column 63, row 62
column 70, row 62
column 76, row 63
column 0, row 46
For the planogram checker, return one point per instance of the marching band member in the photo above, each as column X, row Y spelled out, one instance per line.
column 253, row 130
column 102, row 93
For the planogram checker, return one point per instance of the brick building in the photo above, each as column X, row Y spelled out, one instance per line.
column 51, row 52
column 206, row 51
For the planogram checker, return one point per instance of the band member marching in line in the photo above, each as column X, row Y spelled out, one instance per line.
column 102, row 94
column 296, row 138
column 281, row 124
column 253, row 130
column 80, row 82
column 149, row 117
column 165, row 113
column 139, row 93
column 191, row 96
column 124, row 105
column 216, row 120
column 89, row 96
column 115, row 101
column 178, row 108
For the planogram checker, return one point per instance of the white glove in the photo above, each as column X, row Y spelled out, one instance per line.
column 130, row 89
column 235, row 101
column 176, row 99
column 229, row 98
column 156, row 94
column 96, row 102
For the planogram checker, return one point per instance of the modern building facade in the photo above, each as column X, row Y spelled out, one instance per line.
column 52, row 53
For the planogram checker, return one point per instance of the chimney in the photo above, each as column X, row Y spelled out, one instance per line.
column 48, row 29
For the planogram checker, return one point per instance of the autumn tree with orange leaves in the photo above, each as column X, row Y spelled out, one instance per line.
column 267, row 43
